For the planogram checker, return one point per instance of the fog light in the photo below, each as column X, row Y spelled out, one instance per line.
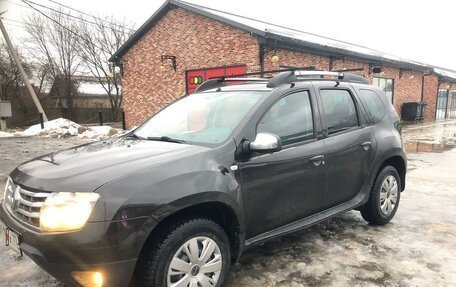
column 88, row 278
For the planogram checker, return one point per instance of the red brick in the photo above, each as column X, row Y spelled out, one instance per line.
column 200, row 42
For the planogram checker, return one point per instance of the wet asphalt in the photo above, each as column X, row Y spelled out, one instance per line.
column 418, row 248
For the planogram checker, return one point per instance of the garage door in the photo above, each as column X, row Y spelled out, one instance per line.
column 194, row 78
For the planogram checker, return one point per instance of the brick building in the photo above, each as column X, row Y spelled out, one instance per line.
column 183, row 44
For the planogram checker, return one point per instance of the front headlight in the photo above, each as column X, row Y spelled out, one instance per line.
column 67, row 211
column 7, row 188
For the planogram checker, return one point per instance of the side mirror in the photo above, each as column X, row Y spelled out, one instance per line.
column 266, row 142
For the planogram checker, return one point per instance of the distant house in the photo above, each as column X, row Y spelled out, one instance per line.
column 88, row 93
column 89, row 97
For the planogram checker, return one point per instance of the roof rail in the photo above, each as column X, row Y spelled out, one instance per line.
column 217, row 82
column 298, row 75
column 285, row 76
column 214, row 83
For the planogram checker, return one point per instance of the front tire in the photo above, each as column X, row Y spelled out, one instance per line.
column 189, row 253
column 384, row 198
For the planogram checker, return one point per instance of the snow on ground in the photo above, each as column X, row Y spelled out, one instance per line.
column 55, row 128
column 61, row 128
column 99, row 132
column 5, row 135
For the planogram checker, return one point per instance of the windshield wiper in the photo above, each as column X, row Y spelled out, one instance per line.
column 165, row 139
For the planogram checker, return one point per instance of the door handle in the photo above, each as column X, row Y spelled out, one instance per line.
column 318, row 160
column 366, row 145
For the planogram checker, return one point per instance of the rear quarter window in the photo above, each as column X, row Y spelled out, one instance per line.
column 373, row 104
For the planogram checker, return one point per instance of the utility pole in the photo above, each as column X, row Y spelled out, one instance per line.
column 21, row 70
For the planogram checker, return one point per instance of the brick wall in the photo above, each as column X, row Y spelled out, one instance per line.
column 430, row 96
column 197, row 42
column 293, row 58
column 406, row 87
column 200, row 42
column 431, row 87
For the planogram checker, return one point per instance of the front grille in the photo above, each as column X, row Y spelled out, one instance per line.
column 24, row 204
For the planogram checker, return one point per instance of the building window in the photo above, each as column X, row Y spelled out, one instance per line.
column 453, row 104
column 442, row 100
column 385, row 84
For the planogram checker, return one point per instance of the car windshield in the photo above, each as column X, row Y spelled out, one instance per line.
column 207, row 118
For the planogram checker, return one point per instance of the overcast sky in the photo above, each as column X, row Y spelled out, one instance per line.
column 409, row 29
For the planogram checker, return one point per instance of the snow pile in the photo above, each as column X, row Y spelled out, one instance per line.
column 55, row 129
column 60, row 128
column 99, row 132
column 5, row 135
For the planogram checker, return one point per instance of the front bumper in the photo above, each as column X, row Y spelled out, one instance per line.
column 114, row 273
column 110, row 247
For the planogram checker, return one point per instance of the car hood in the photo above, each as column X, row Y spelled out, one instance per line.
column 89, row 166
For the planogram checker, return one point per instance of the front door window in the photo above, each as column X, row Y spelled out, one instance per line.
column 290, row 118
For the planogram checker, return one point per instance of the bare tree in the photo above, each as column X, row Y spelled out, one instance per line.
column 100, row 39
column 11, row 82
column 54, row 45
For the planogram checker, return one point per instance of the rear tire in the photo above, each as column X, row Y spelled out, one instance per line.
column 384, row 198
column 170, row 257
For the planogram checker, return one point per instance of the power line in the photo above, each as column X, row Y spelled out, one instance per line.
column 63, row 13
column 21, row 24
column 12, row 20
column 75, row 18
column 59, row 24
column 90, row 15
column 13, row 25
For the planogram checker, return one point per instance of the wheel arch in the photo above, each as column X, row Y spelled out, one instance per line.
column 399, row 163
column 219, row 211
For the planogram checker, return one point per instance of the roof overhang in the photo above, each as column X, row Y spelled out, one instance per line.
column 162, row 11
column 445, row 75
column 293, row 44
column 279, row 40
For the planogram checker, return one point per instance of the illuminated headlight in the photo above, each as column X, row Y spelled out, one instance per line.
column 7, row 189
column 67, row 211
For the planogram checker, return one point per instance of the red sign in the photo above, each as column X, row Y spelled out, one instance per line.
column 194, row 78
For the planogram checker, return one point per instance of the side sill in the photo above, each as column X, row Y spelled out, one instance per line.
column 308, row 221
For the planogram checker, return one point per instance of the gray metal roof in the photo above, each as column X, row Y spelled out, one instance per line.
column 445, row 74
column 284, row 37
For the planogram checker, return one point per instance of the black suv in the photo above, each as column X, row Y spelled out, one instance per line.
column 240, row 161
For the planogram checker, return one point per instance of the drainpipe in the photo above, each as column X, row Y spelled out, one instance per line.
column 422, row 85
column 262, row 52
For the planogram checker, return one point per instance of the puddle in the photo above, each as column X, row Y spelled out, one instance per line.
column 413, row 147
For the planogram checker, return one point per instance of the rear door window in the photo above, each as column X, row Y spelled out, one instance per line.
column 339, row 109
column 374, row 105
